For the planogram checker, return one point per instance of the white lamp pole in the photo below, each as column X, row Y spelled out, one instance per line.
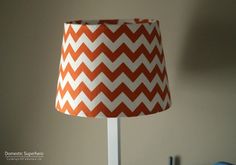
column 113, row 136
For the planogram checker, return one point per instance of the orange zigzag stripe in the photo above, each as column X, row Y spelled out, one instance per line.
column 132, row 95
column 102, row 68
column 102, row 108
column 103, row 29
column 112, row 55
column 122, row 88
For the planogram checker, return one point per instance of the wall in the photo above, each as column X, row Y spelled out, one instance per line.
column 199, row 40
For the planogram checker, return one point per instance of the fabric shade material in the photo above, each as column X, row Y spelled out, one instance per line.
column 112, row 68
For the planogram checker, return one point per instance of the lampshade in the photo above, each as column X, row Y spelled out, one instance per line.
column 112, row 68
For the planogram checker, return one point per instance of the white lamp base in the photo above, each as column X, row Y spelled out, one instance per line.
column 113, row 136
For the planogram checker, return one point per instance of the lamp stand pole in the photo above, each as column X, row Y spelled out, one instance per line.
column 113, row 137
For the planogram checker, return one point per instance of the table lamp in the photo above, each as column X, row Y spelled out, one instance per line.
column 111, row 69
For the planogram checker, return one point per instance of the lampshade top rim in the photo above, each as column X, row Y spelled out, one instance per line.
column 117, row 22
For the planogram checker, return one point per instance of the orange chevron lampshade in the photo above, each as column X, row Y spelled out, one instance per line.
column 112, row 68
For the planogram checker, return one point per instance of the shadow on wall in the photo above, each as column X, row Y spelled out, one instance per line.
column 211, row 40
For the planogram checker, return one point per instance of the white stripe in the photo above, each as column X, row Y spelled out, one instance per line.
column 82, row 114
column 112, row 66
column 76, row 27
column 113, row 28
column 122, row 98
column 93, row 28
column 113, row 46
column 158, row 29
column 150, row 28
column 133, row 27
column 66, row 27
column 102, row 78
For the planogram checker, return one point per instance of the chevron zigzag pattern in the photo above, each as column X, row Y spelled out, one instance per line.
column 112, row 68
